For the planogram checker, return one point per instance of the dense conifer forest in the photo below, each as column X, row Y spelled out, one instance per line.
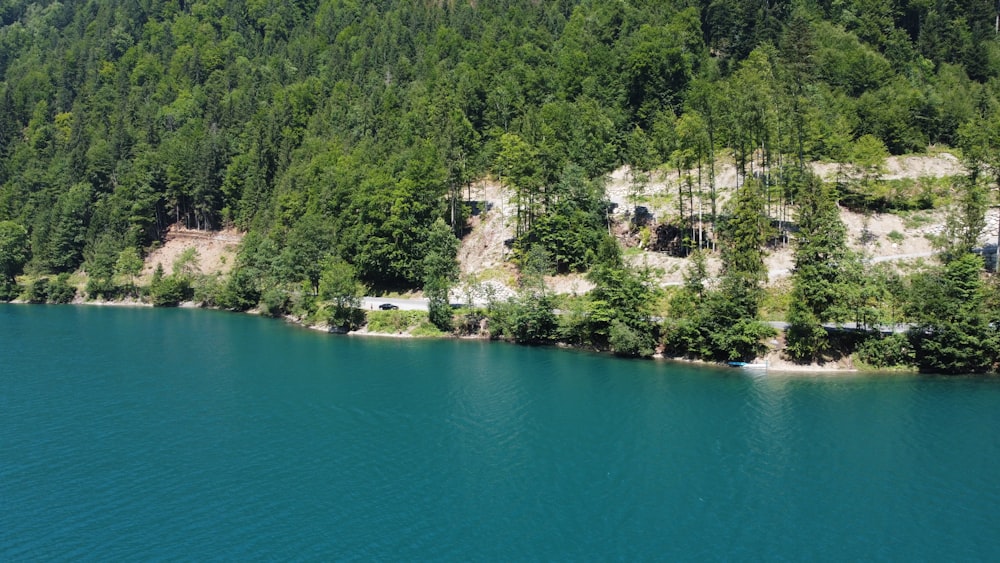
column 341, row 137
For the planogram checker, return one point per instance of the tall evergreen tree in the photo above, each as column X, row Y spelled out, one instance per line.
column 440, row 273
column 953, row 333
column 744, row 234
column 726, row 326
column 818, row 277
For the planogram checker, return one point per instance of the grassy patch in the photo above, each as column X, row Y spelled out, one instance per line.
column 916, row 219
column 398, row 322
column 657, row 201
column 498, row 274
column 898, row 195
column 395, row 321
column 426, row 329
column 777, row 300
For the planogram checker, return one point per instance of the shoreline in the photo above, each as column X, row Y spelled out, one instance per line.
column 780, row 366
column 775, row 364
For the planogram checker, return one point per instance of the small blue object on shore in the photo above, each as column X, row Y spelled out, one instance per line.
column 748, row 365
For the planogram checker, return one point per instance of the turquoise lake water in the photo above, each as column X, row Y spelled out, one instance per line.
column 178, row 434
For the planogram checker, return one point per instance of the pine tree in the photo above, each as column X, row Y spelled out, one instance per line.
column 743, row 237
column 817, row 281
column 954, row 333
column 727, row 324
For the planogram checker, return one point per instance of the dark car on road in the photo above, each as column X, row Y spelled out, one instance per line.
column 388, row 307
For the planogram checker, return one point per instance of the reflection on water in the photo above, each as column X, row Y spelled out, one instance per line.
column 201, row 435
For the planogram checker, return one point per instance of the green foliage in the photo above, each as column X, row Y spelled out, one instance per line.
column 627, row 341
column 892, row 351
column 570, row 229
column 867, row 157
column 9, row 290
column 806, row 339
column 38, row 291
column 240, row 292
column 526, row 319
column 394, row 322
column 966, row 220
column 169, row 291
column 426, row 330
column 721, row 324
column 62, row 249
column 440, row 311
column 954, row 332
column 719, row 331
column 574, row 320
column 100, row 264
column 129, row 265
column 343, row 319
column 208, row 291
column 743, row 236
column 187, row 265
column 60, row 290
column 325, row 128
column 14, row 250
column 957, row 347
column 819, row 283
column 847, row 63
column 440, row 273
column 621, row 309
column 306, row 244
column 338, row 283
column 101, row 288
column 274, row 302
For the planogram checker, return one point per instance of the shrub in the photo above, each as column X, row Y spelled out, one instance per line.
column 169, row 291
column 525, row 320
column 102, row 288
column 470, row 322
column 274, row 302
column 208, row 291
column 887, row 351
column 682, row 338
column 346, row 318
column 441, row 314
column 9, row 290
column 60, row 290
column 38, row 291
column 240, row 292
column 626, row 341
column 806, row 341
column 303, row 303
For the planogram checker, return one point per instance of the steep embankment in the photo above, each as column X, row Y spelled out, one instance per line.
column 485, row 256
column 884, row 237
column 216, row 251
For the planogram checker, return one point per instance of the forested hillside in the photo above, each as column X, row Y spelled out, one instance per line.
column 341, row 134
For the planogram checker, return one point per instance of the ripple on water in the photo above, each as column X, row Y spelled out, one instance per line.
column 210, row 436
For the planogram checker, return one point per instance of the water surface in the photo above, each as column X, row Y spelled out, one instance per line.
column 139, row 433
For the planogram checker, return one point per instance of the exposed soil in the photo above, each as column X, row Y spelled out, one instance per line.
column 483, row 249
column 216, row 250
column 484, row 255
column 883, row 237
